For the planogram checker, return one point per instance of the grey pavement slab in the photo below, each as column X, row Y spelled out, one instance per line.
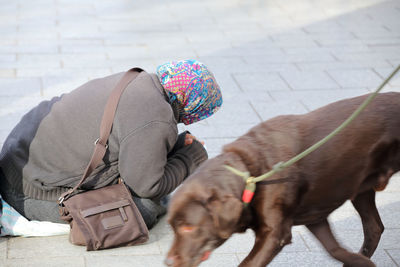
column 45, row 261
column 3, row 249
column 228, row 114
column 395, row 255
column 356, row 78
column 250, row 82
column 126, row 261
column 309, row 80
column 313, row 99
column 20, row 87
column 272, row 109
column 269, row 57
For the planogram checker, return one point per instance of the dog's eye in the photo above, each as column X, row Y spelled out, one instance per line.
column 186, row 228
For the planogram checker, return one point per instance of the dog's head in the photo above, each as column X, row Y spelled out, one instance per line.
column 203, row 215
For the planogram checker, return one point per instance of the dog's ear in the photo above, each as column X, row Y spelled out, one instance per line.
column 226, row 212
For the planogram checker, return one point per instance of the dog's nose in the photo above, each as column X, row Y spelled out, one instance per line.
column 169, row 261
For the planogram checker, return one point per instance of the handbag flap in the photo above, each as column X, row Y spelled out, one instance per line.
column 105, row 207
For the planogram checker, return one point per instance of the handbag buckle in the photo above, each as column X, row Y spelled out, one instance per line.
column 98, row 142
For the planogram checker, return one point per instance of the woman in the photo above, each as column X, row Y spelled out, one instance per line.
column 47, row 152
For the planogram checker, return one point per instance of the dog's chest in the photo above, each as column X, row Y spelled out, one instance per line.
column 313, row 214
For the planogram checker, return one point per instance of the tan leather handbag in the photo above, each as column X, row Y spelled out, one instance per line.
column 106, row 217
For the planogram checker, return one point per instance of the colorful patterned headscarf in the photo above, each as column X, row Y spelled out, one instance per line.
column 194, row 87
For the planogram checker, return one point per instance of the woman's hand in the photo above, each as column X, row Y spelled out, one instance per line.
column 190, row 138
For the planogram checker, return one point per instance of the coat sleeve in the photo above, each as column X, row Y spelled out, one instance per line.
column 146, row 165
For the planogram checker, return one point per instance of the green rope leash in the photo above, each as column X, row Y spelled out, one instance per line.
column 251, row 181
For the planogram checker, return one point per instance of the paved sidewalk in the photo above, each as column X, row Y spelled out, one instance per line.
column 270, row 57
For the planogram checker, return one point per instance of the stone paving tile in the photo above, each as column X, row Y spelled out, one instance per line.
column 29, row 61
column 3, row 248
column 56, row 86
column 250, row 82
column 220, row 260
column 366, row 56
column 388, row 204
column 272, row 67
column 47, row 262
column 84, row 61
column 234, row 64
column 352, row 239
column 7, row 73
column 311, row 259
column 30, row 248
column 126, row 261
column 314, row 99
column 8, row 57
column 382, row 258
column 386, row 51
column 394, row 184
column 10, row 120
column 3, row 135
column 20, row 87
column 243, row 97
column 269, row 110
column 121, row 52
column 165, row 242
column 303, row 259
column 13, row 105
column 221, row 48
column 227, row 84
column 394, row 62
column 160, row 229
column 83, row 49
column 395, row 255
column 313, row 66
column 8, row 41
column 290, row 58
column 334, row 49
column 64, row 73
column 355, row 78
column 151, row 247
column 125, row 64
column 212, row 36
column 25, row 248
column 218, row 131
column 385, row 72
column 345, row 217
column 309, row 80
column 228, row 114
column 39, row 60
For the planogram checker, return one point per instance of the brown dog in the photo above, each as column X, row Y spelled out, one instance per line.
column 207, row 209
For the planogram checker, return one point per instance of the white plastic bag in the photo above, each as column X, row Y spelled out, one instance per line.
column 14, row 224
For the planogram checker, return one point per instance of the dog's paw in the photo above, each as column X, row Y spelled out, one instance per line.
column 358, row 260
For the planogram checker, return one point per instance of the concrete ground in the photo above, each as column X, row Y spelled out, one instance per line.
column 270, row 57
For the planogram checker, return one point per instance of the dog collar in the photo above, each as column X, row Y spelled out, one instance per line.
column 249, row 190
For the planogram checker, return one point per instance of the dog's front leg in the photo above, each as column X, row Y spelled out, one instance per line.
column 323, row 233
column 270, row 239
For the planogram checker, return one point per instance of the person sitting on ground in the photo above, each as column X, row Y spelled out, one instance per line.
column 48, row 150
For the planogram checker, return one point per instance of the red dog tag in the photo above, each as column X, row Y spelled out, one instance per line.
column 247, row 196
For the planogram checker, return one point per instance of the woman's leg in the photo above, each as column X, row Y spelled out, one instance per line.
column 32, row 209
column 151, row 210
column 41, row 210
